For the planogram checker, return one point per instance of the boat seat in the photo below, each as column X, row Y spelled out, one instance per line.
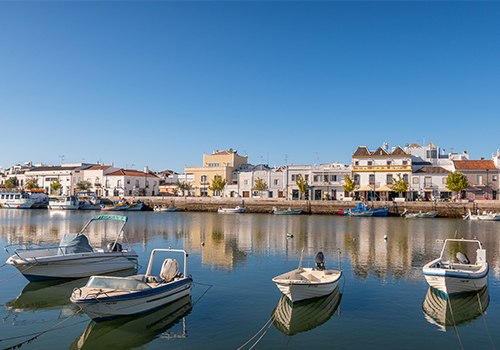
column 144, row 278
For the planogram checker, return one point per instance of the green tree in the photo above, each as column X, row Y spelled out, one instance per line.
column 457, row 182
column 55, row 186
column 83, row 186
column 184, row 187
column 301, row 184
column 259, row 185
column 11, row 182
column 399, row 185
column 349, row 185
column 218, row 184
column 32, row 183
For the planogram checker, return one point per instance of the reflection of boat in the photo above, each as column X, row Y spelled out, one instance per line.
column 135, row 331
column 449, row 310
column 135, row 206
column 307, row 283
column 420, row 214
column 302, row 317
column 287, row 212
column 50, row 294
column 105, row 297
column 16, row 200
column 238, row 209
column 74, row 257
column 455, row 273
column 64, row 202
column 484, row 216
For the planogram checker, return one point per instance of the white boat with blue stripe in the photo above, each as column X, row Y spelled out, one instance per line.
column 74, row 257
column 453, row 272
column 106, row 297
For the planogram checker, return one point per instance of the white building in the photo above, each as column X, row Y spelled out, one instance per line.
column 126, row 182
column 68, row 176
column 244, row 179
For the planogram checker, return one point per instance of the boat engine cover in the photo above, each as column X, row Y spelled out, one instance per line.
column 320, row 261
column 169, row 269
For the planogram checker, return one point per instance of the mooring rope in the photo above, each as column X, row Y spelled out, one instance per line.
column 482, row 313
column 268, row 322
column 202, row 284
column 15, row 274
column 40, row 333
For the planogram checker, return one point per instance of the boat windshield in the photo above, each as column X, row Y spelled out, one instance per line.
column 116, row 283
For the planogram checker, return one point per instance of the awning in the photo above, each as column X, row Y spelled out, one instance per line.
column 365, row 188
column 444, row 190
column 384, row 188
column 428, row 189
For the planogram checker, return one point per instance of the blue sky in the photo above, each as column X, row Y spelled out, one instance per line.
column 158, row 83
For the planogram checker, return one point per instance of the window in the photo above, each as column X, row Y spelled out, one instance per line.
column 405, row 178
column 427, row 181
column 315, row 178
column 494, row 178
column 147, row 184
column 119, row 183
column 333, row 177
column 356, row 163
column 372, row 179
column 130, row 192
column 203, row 191
column 389, row 162
column 137, row 183
column 246, row 182
column 213, row 164
column 276, row 182
column 293, row 177
column 270, row 194
column 356, row 179
column 479, row 179
column 128, row 181
column 414, row 180
column 444, row 180
column 307, row 177
column 370, row 162
column 389, row 179
column 97, row 180
column 203, row 178
column 325, row 178
column 405, row 162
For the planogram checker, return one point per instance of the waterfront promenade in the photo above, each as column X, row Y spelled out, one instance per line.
column 259, row 205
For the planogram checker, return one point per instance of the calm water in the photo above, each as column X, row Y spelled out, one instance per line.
column 381, row 297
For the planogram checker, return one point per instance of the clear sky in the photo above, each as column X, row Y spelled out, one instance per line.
column 158, row 83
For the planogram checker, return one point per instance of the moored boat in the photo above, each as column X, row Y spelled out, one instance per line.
column 420, row 214
column 105, row 297
column 484, row 216
column 306, row 283
column 135, row 206
column 117, row 206
column 456, row 273
column 235, row 210
column 16, row 200
column 64, row 202
column 363, row 208
column 287, row 212
column 74, row 257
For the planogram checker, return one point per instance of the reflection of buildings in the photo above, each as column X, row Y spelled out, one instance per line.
column 229, row 239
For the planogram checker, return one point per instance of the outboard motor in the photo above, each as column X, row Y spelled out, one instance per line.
column 320, row 261
column 117, row 247
column 463, row 258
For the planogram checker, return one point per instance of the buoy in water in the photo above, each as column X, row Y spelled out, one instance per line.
column 385, row 237
column 289, row 235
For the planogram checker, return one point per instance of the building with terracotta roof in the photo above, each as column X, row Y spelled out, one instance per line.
column 482, row 176
column 129, row 182
column 219, row 163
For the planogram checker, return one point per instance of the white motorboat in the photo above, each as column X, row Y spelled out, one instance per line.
column 306, row 283
column 289, row 211
column 105, row 297
column 16, row 200
column 453, row 310
column 291, row 319
column 420, row 214
column 64, row 202
column 456, row 274
column 166, row 209
column 236, row 210
column 74, row 257
column 484, row 216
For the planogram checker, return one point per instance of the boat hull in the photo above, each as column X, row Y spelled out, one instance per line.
column 288, row 212
column 72, row 265
column 106, row 308
column 24, row 203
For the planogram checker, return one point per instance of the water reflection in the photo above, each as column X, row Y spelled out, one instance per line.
column 134, row 331
column 304, row 316
column 458, row 309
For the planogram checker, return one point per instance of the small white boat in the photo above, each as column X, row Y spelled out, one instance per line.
column 166, row 209
column 74, row 257
column 287, row 212
column 105, row 297
column 64, row 202
column 420, row 214
column 16, row 200
column 307, row 283
column 236, row 210
column 456, row 274
column 291, row 319
column 452, row 310
column 484, row 216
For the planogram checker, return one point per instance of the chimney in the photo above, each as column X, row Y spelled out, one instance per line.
column 146, row 169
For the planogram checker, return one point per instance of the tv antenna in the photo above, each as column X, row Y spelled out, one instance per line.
column 62, row 159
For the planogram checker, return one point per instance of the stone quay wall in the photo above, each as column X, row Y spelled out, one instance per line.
column 323, row 207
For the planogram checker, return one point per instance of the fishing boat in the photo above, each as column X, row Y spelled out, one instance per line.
column 306, row 283
column 456, row 274
column 360, row 213
column 135, row 206
column 453, row 310
column 64, row 202
column 363, row 208
column 106, row 297
column 117, row 206
column 420, row 214
column 16, row 200
column 484, row 216
column 74, row 257
column 287, row 212
column 236, row 210
column 291, row 319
